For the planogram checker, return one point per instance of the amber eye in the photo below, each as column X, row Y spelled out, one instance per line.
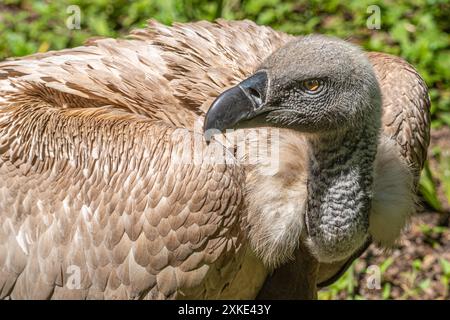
column 312, row 85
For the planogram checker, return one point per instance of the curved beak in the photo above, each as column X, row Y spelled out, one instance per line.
column 239, row 103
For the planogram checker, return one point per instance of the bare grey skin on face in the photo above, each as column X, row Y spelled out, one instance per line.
column 325, row 88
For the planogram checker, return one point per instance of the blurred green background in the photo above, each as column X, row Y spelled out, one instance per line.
column 417, row 30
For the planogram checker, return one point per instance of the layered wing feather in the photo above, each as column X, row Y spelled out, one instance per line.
column 97, row 204
column 95, row 201
column 406, row 107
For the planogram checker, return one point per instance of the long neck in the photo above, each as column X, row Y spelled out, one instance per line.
column 339, row 191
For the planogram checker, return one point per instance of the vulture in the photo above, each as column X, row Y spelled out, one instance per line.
column 128, row 167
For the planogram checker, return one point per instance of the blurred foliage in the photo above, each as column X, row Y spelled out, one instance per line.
column 428, row 189
column 435, row 178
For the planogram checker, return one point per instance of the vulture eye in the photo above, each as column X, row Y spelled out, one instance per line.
column 312, row 86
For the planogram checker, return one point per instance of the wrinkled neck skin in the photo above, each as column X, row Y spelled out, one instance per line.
column 319, row 196
column 340, row 180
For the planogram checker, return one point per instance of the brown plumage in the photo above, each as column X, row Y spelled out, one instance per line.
column 89, row 139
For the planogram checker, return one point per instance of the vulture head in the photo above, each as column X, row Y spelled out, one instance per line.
column 315, row 84
column 326, row 89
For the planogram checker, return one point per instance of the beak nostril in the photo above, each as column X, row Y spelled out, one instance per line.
column 242, row 102
column 255, row 95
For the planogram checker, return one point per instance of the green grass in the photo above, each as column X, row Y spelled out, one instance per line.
column 415, row 283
